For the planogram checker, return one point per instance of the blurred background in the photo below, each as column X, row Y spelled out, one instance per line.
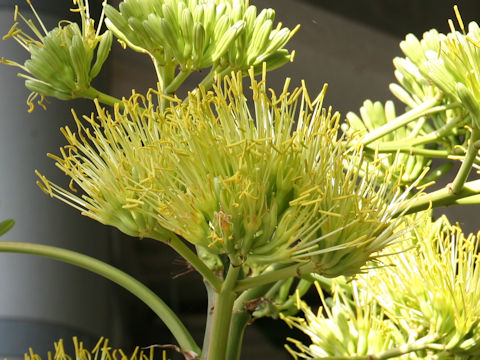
column 347, row 44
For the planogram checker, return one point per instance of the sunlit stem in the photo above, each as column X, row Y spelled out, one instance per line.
column 212, row 300
column 109, row 272
column 422, row 344
column 216, row 72
column 412, row 150
column 239, row 324
column 419, row 140
column 442, row 197
column 467, row 163
column 470, row 200
column 165, row 74
column 159, row 73
column 421, row 110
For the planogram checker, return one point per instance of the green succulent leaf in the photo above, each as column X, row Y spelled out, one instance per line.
column 6, row 225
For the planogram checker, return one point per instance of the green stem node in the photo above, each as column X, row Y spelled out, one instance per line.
column 179, row 246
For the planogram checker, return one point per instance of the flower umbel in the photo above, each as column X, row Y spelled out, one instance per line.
column 184, row 36
column 102, row 349
column 60, row 63
column 424, row 304
column 348, row 326
column 436, row 287
column 276, row 185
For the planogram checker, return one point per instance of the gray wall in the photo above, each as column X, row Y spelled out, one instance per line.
column 41, row 299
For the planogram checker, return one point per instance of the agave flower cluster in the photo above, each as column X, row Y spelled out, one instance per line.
column 102, row 350
column 350, row 326
column 424, row 304
column 276, row 185
column 438, row 81
column 60, row 63
column 444, row 66
column 196, row 34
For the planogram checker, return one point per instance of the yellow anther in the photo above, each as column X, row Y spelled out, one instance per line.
column 459, row 18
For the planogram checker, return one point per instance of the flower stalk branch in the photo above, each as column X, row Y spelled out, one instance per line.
column 179, row 246
column 466, row 168
column 443, row 197
column 412, row 150
column 241, row 317
column 276, row 275
column 170, row 319
column 92, row 94
column 425, row 108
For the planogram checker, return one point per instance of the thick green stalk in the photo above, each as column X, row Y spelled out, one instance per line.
column 129, row 283
column 212, row 300
column 238, row 326
column 215, row 72
column 179, row 246
column 275, row 275
column 411, row 115
column 222, row 316
column 159, row 73
column 165, row 74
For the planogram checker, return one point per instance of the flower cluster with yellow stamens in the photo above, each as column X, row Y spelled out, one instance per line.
column 439, row 82
column 348, row 325
column 274, row 185
column 424, row 303
column 102, row 349
column 60, row 63
column 442, row 64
